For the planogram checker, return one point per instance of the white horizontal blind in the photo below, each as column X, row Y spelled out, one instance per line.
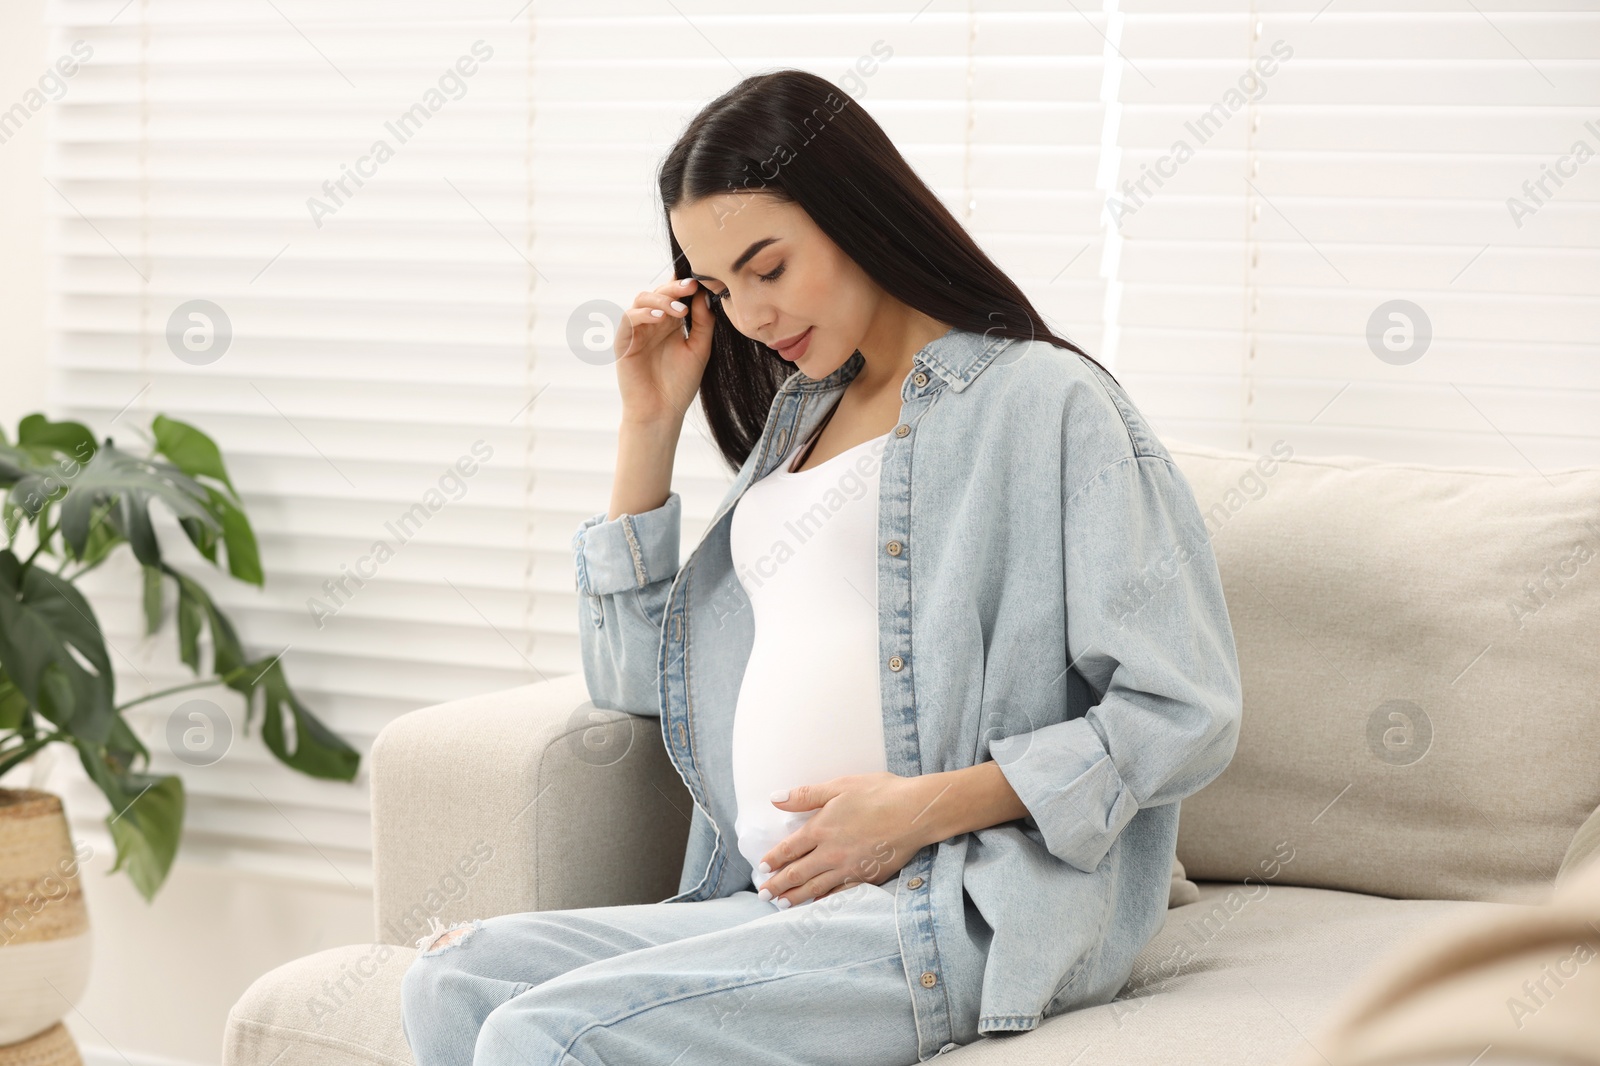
column 1373, row 164
column 368, row 354
column 430, row 306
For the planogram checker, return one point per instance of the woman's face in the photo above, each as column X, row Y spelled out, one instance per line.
column 778, row 276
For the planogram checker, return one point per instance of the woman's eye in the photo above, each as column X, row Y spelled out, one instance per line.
column 718, row 297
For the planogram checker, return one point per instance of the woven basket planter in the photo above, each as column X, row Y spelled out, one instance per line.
column 44, row 930
column 53, row 1047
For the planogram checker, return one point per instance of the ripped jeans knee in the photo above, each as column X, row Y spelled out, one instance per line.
column 438, row 938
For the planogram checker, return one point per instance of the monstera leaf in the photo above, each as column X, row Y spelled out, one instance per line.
column 146, row 819
column 12, row 704
column 85, row 499
column 45, row 438
column 128, row 483
column 38, row 467
column 14, row 462
column 56, row 662
column 318, row 751
column 196, row 455
column 43, row 620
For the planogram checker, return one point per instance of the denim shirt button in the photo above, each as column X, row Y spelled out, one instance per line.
column 915, row 882
column 894, row 547
column 929, row 978
column 895, row 662
column 919, row 379
column 901, row 430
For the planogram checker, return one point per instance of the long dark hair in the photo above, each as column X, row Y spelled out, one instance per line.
column 840, row 166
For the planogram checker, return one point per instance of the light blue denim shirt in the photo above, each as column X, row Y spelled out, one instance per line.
column 1047, row 598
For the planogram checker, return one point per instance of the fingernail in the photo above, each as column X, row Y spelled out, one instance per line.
column 783, row 904
column 686, row 281
column 677, row 305
column 657, row 312
column 766, row 894
column 780, row 795
column 763, row 869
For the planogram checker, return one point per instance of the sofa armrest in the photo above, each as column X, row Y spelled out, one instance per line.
column 521, row 800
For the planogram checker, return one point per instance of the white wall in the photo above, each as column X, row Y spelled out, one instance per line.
column 166, row 973
column 22, row 263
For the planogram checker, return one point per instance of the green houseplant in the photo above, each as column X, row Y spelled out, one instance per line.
column 82, row 500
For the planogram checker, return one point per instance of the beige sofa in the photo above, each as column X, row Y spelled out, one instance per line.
column 1420, row 746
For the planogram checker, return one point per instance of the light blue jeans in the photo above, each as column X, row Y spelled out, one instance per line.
column 727, row 980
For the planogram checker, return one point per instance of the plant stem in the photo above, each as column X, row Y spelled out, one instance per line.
column 45, row 533
column 220, row 679
column 20, row 752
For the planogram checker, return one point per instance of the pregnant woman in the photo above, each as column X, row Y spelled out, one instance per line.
column 936, row 677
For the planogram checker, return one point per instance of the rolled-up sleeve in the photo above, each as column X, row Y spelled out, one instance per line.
column 624, row 570
column 1148, row 629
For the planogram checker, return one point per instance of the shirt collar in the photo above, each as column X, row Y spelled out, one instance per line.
column 958, row 356
column 956, row 359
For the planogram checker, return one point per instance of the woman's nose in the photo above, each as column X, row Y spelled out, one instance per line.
column 751, row 327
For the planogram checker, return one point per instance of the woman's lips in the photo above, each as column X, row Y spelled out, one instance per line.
column 798, row 348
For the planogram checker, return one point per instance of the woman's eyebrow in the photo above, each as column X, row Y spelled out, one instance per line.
column 738, row 264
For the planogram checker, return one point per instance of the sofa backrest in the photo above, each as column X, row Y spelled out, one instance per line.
column 1420, row 654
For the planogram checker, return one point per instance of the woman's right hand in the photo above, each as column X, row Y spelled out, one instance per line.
column 658, row 368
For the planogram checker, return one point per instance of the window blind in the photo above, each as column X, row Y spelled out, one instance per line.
column 1331, row 253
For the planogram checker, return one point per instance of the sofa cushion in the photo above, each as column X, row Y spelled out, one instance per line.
column 1518, row 985
column 1183, row 890
column 338, row 1007
column 1242, row 975
column 1421, row 691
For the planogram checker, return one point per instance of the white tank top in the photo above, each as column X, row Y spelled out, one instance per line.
column 804, row 549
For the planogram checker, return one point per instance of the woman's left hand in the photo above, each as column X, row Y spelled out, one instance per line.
column 866, row 827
